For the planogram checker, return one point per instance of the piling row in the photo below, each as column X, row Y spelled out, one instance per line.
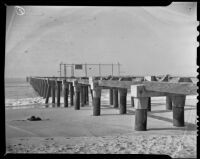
column 78, row 94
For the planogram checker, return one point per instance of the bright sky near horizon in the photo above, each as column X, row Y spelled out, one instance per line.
column 145, row 40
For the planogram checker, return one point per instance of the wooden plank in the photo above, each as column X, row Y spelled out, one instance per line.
column 183, row 88
column 117, row 84
column 151, row 89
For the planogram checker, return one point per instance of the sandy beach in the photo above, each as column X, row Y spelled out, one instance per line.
column 64, row 130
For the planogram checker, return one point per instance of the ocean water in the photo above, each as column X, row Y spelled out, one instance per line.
column 18, row 88
column 19, row 93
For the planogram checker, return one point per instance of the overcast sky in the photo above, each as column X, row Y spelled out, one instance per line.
column 145, row 40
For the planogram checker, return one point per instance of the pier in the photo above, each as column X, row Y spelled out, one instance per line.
column 77, row 89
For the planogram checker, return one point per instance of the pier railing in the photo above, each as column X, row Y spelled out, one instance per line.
column 142, row 89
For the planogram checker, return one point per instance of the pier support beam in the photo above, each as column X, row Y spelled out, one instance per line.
column 87, row 95
column 58, row 92
column 96, row 96
column 65, row 92
column 141, row 105
column 141, row 113
column 53, row 92
column 122, row 100
column 71, row 94
column 115, row 98
column 111, row 96
column 82, row 95
column 44, row 88
column 168, row 103
column 149, row 104
column 48, row 92
column 96, row 102
column 132, row 101
column 178, row 103
column 76, row 95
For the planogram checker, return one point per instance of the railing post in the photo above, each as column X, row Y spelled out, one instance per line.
column 178, row 103
column 77, row 95
column 122, row 100
column 115, row 98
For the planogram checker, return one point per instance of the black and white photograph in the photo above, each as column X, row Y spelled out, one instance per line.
column 101, row 79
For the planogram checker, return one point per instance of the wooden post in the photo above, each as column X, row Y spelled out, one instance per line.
column 122, row 100
column 149, row 104
column 53, row 91
column 178, row 103
column 71, row 94
column 58, row 93
column 141, row 113
column 111, row 96
column 96, row 101
column 82, row 95
column 115, row 98
column 87, row 95
column 132, row 101
column 141, row 105
column 96, row 96
column 168, row 103
column 48, row 92
column 77, row 95
column 65, row 93
column 45, row 88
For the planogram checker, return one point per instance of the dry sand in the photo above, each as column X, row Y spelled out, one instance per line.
column 64, row 130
